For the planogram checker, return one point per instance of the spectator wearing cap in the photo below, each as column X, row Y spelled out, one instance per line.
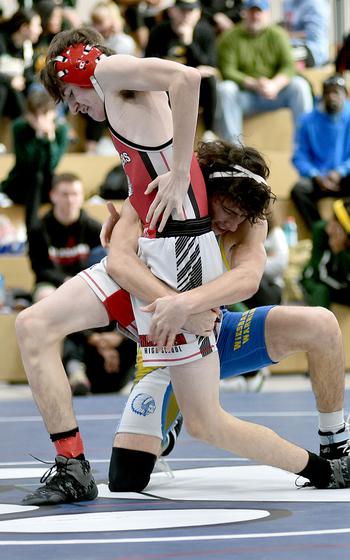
column 190, row 39
column 322, row 151
column 258, row 71
column 326, row 278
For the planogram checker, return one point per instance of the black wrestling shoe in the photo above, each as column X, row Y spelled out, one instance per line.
column 72, row 482
column 172, row 436
column 340, row 477
column 335, row 446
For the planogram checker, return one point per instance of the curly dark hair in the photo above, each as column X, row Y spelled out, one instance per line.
column 252, row 198
column 60, row 42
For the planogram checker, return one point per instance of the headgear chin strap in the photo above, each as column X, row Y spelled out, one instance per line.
column 76, row 65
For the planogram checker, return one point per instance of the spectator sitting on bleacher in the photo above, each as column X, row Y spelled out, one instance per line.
column 39, row 142
column 326, row 278
column 52, row 22
column 255, row 59
column 17, row 36
column 64, row 242
column 68, row 8
column 322, row 151
column 61, row 242
column 307, row 24
column 190, row 39
column 222, row 14
column 106, row 19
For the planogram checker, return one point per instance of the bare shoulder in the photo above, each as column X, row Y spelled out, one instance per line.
column 246, row 234
column 126, row 72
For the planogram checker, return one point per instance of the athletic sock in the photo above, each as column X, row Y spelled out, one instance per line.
column 331, row 422
column 317, row 470
column 69, row 444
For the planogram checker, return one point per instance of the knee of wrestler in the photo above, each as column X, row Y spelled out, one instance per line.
column 130, row 470
column 31, row 328
column 328, row 329
column 196, row 427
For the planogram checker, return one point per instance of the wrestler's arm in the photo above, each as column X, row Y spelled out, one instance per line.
column 123, row 264
column 124, row 72
column 127, row 269
column 247, row 257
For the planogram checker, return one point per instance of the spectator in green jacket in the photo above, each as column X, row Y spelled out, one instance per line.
column 326, row 278
column 257, row 67
column 40, row 140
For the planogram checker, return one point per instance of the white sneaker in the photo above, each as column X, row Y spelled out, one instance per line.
column 79, row 383
column 237, row 384
column 255, row 383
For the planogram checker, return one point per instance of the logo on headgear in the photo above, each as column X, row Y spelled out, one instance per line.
column 76, row 65
column 143, row 404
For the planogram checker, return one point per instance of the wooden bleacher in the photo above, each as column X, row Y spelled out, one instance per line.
column 91, row 169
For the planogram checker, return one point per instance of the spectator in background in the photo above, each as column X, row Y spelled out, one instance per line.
column 141, row 16
column 17, row 36
column 326, row 278
column 68, row 8
column 307, row 24
column 322, row 151
column 61, row 242
column 39, row 142
column 255, row 60
column 190, row 39
column 99, row 360
column 222, row 14
column 106, row 19
column 52, row 22
column 64, row 242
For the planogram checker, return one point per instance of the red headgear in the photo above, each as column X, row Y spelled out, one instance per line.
column 76, row 65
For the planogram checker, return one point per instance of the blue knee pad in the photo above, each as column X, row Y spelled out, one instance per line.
column 130, row 470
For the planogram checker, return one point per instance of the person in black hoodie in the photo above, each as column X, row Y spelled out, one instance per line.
column 190, row 39
column 64, row 242
column 60, row 244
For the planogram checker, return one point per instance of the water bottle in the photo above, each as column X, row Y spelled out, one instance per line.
column 291, row 231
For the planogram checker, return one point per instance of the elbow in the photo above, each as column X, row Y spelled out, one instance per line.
column 191, row 77
column 252, row 286
column 195, row 77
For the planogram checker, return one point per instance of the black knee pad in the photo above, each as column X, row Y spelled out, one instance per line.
column 130, row 470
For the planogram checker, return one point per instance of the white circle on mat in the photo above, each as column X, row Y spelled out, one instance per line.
column 129, row 520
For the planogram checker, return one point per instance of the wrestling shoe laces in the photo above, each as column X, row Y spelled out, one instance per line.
column 335, row 446
column 68, row 480
column 340, row 477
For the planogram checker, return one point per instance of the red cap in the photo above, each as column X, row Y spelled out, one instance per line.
column 76, row 65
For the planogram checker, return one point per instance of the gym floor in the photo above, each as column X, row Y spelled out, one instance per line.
column 203, row 503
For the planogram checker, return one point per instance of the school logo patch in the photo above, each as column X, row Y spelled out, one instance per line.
column 143, row 404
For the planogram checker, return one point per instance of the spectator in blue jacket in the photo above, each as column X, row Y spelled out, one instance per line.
column 307, row 24
column 322, row 151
